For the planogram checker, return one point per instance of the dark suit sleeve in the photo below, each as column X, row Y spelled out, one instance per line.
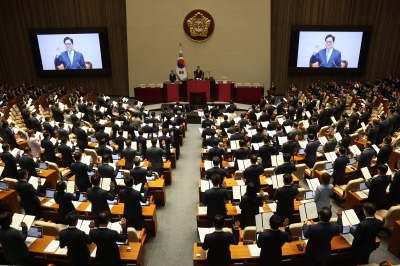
column 340, row 226
column 288, row 235
column 205, row 244
column 122, row 237
column 111, row 194
column 144, row 197
column 307, row 231
column 235, row 237
column 82, row 61
column 227, row 197
column 205, row 200
column 75, row 196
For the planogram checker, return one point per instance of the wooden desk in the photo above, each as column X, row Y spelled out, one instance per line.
column 350, row 175
column 51, row 178
column 393, row 159
column 203, row 171
column 10, row 197
column 148, row 213
column 394, row 243
column 156, row 189
column 353, row 201
column 360, row 143
column 240, row 254
column 39, row 257
column 167, row 172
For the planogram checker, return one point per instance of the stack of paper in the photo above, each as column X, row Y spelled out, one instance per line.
column 33, row 180
column 308, row 211
column 313, row 183
column 204, row 231
column 238, row 192
column 277, row 181
column 52, row 247
column 205, row 185
column 262, row 220
column 105, row 183
column 254, row 250
column 202, row 209
column 243, row 164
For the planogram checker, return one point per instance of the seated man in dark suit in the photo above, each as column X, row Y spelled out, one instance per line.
column 130, row 154
column 385, row 151
column 320, row 235
column 311, row 151
column 132, row 199
column 107, row 252
column 107, row 171
column 27, row 162
column 364, row 242
column 285, row 198
column 76, row 241
column 218, row 242
column 253, row 172
column 98, row 197
column 287, row 166
column 28, row 194
column 378, row 185
column 139, row 174
column 330, row 145
column 271, row 241
column 66, row 152
column 365, row 158
column 214, row 199
column 217, row 170
column 339, row 166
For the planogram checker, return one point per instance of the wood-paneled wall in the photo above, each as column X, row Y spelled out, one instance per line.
column 17, row 16
column 384, row 52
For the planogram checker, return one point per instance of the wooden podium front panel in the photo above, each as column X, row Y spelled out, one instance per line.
column 172, row 92
column 248, row 94
column 149, row 95
column 198, row 86
column 224, row 92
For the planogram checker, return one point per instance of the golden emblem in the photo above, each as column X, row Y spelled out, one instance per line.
column 198, row 25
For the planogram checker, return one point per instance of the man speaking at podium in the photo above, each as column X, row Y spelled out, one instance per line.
column 328, row 57
column 198, row 74
column 70, row 58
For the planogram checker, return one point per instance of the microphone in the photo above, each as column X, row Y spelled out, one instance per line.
column 334, row 64
column 79, row 65
column 321, row 64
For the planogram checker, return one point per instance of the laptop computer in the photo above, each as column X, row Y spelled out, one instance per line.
column 91, row 173
column 309, row 194
column 116, row 156
column 3, row 185
column 352, row 160
column 305, row 136
column 35, row 231
column 320, row 148
column 82, row 197
column 50, row 193
column 93, row 139
column 113, row 202
column 363, row 186
column 43, row 166
column 123, row 243
column 346, row 229
column 120, row 175
column 301, row 151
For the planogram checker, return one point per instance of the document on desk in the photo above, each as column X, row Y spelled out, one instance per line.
column 202, row 209
column 366, row 173
column 323, row 140
column 349, row 217
column 89, row 208
column 1, row 168
column 86, row 159
column 52, row 247
column 238, row 192
column 268, row 181
column 62, row 251
column 234, row 144
column 105, row 183
column 303, row 144
column 361, row 194
column 49, row 203
column 76, row 204
column 277, row 160
column 251, row 132
column 208, row 164
column 29, row 240
column 354, row 149
column 277, row 181
column 70, row 186
column 254, row 250
column 240, row 182
column 308, row 211
column 271, row 133
column 330, row 156
column 116, row 226
column 205, row 185
column 33, row 180
column 282, row 140
column 313, row 183
column 257, row 146
column 272, row 206
column 349, row 238
column 84, row 226
column 203, row 231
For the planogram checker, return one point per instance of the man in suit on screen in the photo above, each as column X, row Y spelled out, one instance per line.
column 70, row 58
column 328, row 57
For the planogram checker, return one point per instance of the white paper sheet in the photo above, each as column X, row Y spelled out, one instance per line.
column 52, row 247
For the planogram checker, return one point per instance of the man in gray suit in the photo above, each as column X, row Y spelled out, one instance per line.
column 365, row 158
column 296, row 131
column 154, row 155
column 330, row 145
column 129, row 154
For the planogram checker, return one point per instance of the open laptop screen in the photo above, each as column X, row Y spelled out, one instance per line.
column 363, row 186
column 35, row 231
column 50, row 193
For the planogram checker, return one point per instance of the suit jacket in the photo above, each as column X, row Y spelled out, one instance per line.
column 250, row 208
column 49, row 149
column 252, row 174
column 28, row 194
column 101, row 150
column 285, row 199
column 58, row 115
column 340, row 126
column 80, row 170
column 154, row 155
column 339, row 168
column 335, row 60
column 377, row 189
column 322, row 194
column 365, row 234
column 10, row 168
column 394, row 190
column 319, row 239
column 323, row 116
column 106, row 170
column 240, row 154
column 215, row 151
column 214, row 199
column 311, row 152
column 37, row 127
column 168, row 143
column 49, row 128
column 81, row 137
column 217, row 170
column 26, row 162
column 365, row 158
column 106, row 241
column 265, row 153
column 98, row 197
column 218, row 244
column 290, row 147
column 139, row 175
column 384, row 154
column 285, row 168
column 373, row 134
column 132, row 199
column 13, row 244
column 345, row 142
column 63, row 133
column 78, row 62
column 271, row 126
column 353, row 122
column 330, row 145
column 66, row 154
column 271, row 243
column 64, row 201
column 129, row 154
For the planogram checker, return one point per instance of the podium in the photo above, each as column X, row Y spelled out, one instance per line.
column 199, row 86
column 172, row 92
column 197, row 98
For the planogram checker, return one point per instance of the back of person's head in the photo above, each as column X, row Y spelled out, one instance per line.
column 225, row 117
column 242, row 142
column 215, row 142
column 215, row 179
column 72, row 218
column 287, row 116
column 287, row 178
column 286, row 157
column 232, row 122
column 153, row 141
column 266, row 139
column 311, row 136
column 236, row 129
column 128, row 143
column 289, row 136
column 128, row 180
column 136, row 161
column 219, row 221
column 64, row 140
column 346, row 132
column 278, row 127
column 251, row 190
column 388, row 140
column 208, row 124
column 368, row 144
column 104, row 217
column 383, row 168
column 21, row 173
column 314, row 119
column 375, row 122
column 275, row 221
column 295, row 125
column 369, row 208
column 120, row 132
column 342, row 150
column 325, row 214
column 77, row 155
column 253, row 158
column 5, row 219
column 46, row 135
column 106, row 157
column 216, row 160
column 140, row 132
column 326, row 178
column 95, row 180
column 27, row 150
column 61, row 186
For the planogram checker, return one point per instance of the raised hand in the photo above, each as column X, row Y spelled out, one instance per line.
column 286, row 222
column 76, row 187
column 112, row 185
column 339, row 212
column 58, row 52
column 146, row 186
column 123, row 222
column 237, row 224
column 23, row 224
column 316, row 50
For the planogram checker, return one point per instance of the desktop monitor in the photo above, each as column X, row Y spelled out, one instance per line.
column 50, row 193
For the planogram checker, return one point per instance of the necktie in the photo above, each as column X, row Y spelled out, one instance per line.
column 328, row 53
column 70, row 57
